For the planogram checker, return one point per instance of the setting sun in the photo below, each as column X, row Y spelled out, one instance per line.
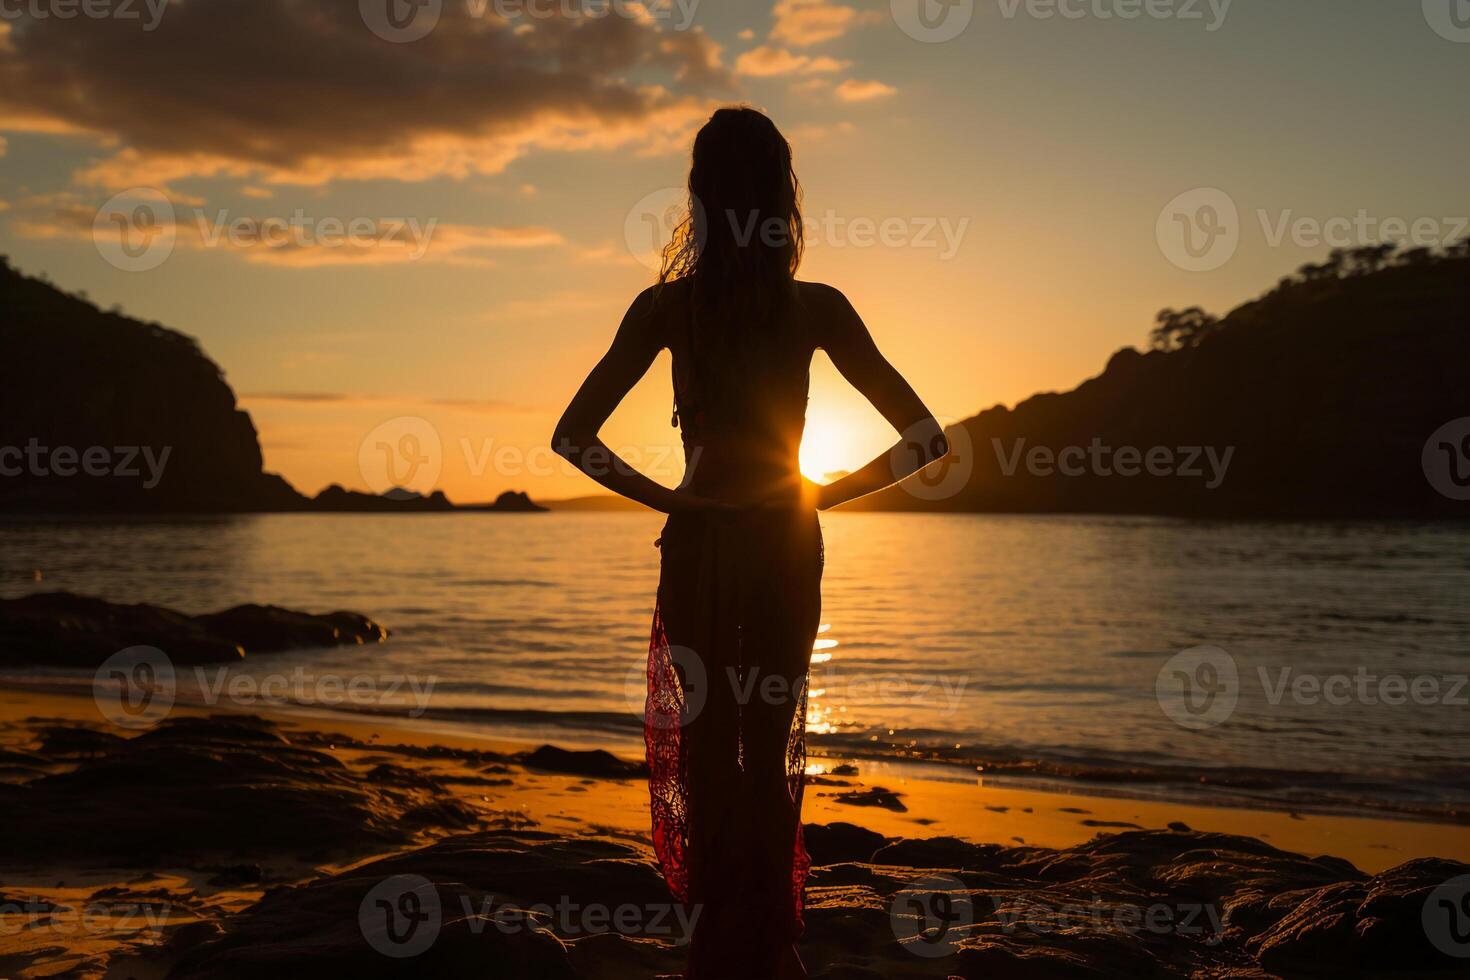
column 843, row 431
column 829, row 447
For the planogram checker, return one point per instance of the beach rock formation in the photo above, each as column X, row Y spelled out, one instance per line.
column 1149, row 904
column 61, row 629
column 112, row 415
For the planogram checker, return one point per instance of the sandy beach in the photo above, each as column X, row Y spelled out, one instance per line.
column 191, row 856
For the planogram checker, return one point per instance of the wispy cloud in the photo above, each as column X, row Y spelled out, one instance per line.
column 853, row 90
column 807, row 22
column 766, row 61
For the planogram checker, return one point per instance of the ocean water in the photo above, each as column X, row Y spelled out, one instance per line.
column 1000, row 648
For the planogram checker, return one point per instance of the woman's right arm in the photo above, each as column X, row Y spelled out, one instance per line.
column 845, row 338
column 577, row 436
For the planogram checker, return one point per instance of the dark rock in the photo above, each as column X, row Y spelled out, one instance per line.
column 266, row 628
column 937, row 852
column 192, row 934
column 336, row 498
column 877, row 796
column 197, row 788
column 549, row 758
column 65, row 630
column 236, row 876
column 1356, row 927
column 517, row 502
column 485, row 889
column 834, row 842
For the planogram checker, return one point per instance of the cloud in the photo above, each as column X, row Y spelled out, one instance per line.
column 853, row 90
column 766, row 61
column 824, row 64
column 302, row 92
column 807, row 22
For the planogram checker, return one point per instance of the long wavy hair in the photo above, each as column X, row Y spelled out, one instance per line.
column 739, row 245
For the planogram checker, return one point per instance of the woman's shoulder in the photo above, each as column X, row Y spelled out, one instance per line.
column 828, row 312
column 819, row 292
column 653, row 309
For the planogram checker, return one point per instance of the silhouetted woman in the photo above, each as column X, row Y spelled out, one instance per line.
column 740, row 592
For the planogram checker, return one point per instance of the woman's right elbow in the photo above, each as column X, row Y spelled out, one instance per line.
column 568, row 442
column 561, row 444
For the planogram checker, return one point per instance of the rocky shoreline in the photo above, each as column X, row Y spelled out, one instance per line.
column 266, row 851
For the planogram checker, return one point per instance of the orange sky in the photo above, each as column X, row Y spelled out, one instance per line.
column 998, row 204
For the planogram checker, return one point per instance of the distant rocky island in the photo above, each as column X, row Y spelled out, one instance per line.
column 1325, row 398
column 132, row 417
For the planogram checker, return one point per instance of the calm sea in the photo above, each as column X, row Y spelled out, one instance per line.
column 1005, row 647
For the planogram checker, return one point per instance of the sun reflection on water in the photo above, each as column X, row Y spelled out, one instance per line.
column 819, row 714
